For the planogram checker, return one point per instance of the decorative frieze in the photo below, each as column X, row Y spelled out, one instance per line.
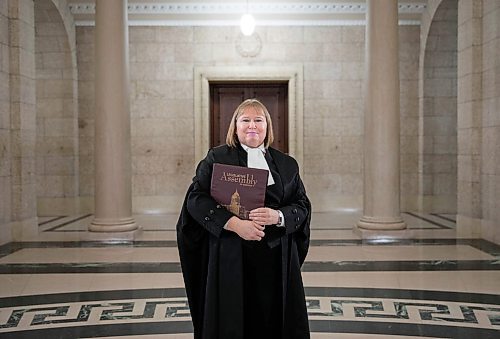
column 165, row 13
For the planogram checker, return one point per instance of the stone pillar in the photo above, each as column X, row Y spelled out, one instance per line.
column 113, row 192
column 475, row 169
column 20, row 58
column 381, row 135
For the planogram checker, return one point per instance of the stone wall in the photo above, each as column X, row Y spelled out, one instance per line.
column 469, row 117
column 162, row 63
column 5, row 145
column 57, row 160
column 18, row 126
column 479, row 119
column 19, row 145
column 439, row 118
column 409, row 40
column 86, row 70
column 490, row 124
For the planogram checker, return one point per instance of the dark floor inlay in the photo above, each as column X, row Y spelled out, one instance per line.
column 67, row 222
column 444, row 217
column 331, row 310
column 309, row 266
column 480, row 244
column 51, row 220
column 428, row 220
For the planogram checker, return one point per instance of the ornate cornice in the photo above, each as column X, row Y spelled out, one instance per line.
column 227, row 13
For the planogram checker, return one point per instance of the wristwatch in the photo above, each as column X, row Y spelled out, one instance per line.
column 280, row 218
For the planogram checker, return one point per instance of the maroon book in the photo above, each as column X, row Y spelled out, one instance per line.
column 239, row 189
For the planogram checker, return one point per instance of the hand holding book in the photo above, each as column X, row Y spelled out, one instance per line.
column 246, row 229
column 264, row 216
column 241, row 190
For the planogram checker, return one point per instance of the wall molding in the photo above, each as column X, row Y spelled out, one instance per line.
column 291, row 73
column 304, row 13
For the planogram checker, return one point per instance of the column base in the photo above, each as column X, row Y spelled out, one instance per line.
column 384, row 237
column 113, row 225
column 381, row 223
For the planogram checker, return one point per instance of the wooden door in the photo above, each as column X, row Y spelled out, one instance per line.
column 226, row 96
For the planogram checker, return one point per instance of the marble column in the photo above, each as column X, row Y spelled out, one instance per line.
column 381, row 135
column 113, row 191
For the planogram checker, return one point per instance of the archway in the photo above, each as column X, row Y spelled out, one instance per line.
column 57, row 129
column 439, row 113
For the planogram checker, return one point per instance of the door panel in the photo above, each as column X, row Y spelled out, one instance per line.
column 225, row 97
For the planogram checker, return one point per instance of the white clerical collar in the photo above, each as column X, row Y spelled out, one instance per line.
column 261, row 147
column 256, row 160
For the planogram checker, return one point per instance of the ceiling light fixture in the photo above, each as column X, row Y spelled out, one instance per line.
column 247, row 23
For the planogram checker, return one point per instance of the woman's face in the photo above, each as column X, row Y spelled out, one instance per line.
column 251, row 127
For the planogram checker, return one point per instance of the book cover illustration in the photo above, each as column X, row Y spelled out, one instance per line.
column 239, row 189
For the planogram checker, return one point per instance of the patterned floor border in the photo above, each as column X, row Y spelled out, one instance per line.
column 331, row 310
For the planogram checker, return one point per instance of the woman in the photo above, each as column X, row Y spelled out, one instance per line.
column 243, row 277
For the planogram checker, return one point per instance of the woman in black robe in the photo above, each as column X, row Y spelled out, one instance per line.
column 243, row 277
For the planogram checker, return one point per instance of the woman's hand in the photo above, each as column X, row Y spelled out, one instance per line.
column 264, row 216
column 246, row 229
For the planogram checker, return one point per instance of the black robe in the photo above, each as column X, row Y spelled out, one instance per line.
column 211, row 257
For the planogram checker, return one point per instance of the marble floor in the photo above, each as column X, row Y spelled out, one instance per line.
column 65, row 282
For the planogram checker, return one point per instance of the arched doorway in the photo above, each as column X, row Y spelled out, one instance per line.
column 56, row 113
column 439, row 113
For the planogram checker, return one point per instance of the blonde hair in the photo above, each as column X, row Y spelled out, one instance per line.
column 232, row 137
